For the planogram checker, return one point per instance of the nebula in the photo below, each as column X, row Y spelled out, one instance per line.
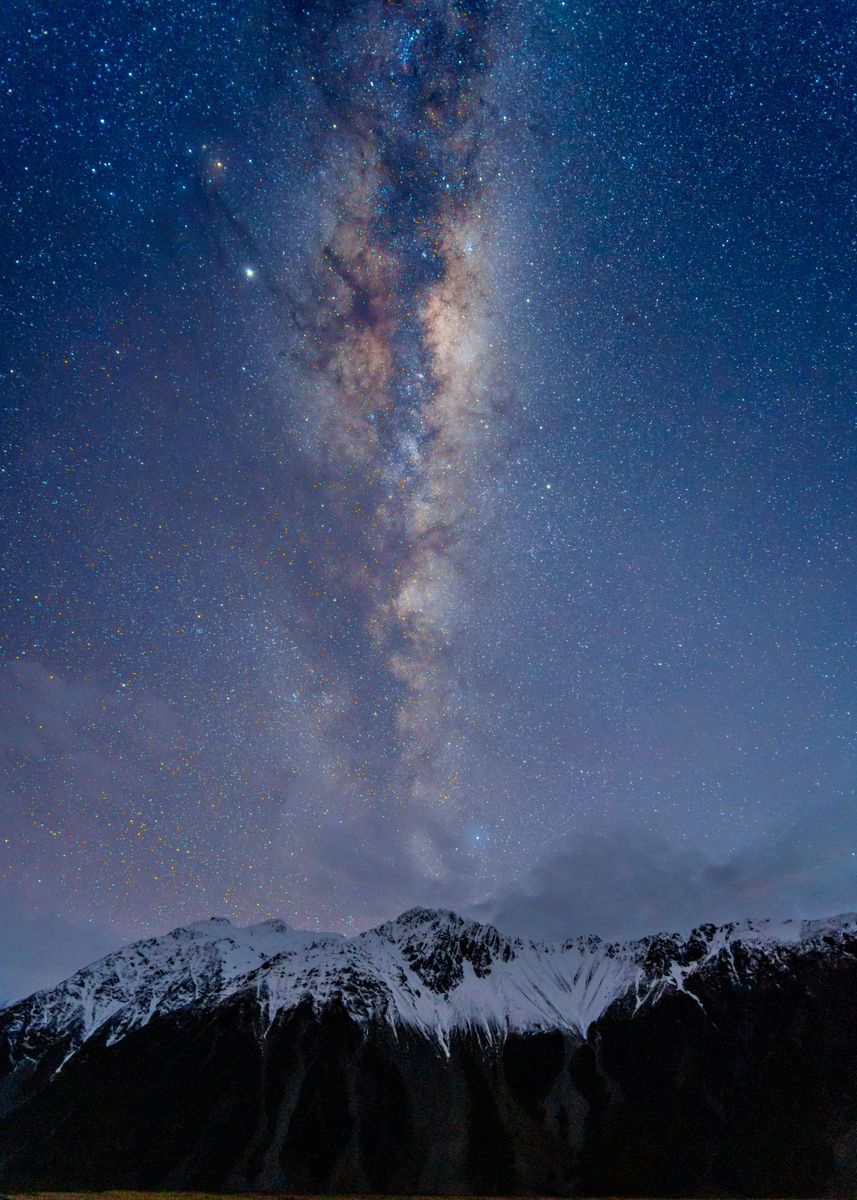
column 397, row 345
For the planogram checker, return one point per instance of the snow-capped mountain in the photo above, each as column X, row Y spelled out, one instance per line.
column 429, row 970
column 297, row 1033
column 124, row 990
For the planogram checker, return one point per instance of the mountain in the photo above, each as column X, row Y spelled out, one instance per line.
column 434, row 1054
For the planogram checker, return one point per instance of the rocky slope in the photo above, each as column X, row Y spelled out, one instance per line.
column 436, row 1054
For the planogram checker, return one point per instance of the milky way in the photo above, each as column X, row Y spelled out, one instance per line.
column 403, row 382
column 429, row 466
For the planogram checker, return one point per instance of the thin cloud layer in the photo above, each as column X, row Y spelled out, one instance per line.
column 630, row 882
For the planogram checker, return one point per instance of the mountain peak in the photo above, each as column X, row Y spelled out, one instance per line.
column 420, row 917
column 272, row 924
column 209, row 923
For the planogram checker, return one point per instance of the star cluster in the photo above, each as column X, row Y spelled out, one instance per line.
column 428, row 459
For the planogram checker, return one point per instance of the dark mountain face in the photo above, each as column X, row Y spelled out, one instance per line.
column 750, row 1092
column 741, row 1081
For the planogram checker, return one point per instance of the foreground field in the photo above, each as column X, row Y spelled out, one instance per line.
column 259, row 1196
column 242, row 1196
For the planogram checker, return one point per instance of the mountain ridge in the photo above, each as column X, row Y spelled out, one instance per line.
column 437, row 1055
column 427, row 968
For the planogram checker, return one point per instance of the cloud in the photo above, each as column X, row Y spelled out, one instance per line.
column 630, row 882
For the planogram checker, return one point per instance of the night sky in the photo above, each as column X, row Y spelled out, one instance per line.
column 428, row 465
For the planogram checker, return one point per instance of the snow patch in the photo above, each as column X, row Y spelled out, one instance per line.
column 429, row 970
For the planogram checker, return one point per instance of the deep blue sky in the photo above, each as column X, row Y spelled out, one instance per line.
column 429, row 466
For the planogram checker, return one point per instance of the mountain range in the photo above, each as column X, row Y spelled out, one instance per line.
column 437, row 1055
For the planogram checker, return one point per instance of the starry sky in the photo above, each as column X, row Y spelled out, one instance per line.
column 428, row 453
